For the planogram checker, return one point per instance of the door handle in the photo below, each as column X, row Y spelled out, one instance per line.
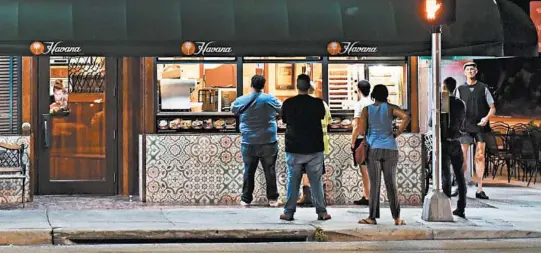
column 46, row 130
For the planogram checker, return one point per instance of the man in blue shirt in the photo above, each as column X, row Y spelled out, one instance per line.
column 257, row 113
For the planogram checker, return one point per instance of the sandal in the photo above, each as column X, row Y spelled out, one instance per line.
column 368, row 221
column 400, row 222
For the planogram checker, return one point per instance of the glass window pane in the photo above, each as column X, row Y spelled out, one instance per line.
column 281, row 77
column 78, row 118
column 391, row 76
column 343, row 79
column 208, row 87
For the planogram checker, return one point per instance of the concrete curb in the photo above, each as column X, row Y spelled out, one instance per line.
column 415, row 233
column 84, row 236
column 25, row 236
column 76, row 236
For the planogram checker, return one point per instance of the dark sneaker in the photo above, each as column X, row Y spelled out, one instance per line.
column 459, row 214
column 286, row 217
column 455, row 193
column 481, row 195
column 362, row 201
column 324, row 217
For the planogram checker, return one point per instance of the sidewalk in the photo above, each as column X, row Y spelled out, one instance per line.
column 515, row 214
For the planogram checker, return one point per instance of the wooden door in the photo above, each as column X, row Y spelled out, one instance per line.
column 76, row 146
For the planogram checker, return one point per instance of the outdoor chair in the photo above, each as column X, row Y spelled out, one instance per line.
column 12, row 165
column 535, row 134
column 526, row 156
column 515, row 133
column 497, row 156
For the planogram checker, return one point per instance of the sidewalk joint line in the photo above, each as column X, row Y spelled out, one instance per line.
column 165, row 216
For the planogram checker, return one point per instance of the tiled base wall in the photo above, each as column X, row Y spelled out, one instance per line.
column 207, row 169
column 11, row 189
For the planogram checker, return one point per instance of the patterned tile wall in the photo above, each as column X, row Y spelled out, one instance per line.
column 207, row 169
column 10, row 189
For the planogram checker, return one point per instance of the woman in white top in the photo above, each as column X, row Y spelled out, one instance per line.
column 363, row 95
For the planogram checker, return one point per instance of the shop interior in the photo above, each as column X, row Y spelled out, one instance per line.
column 195, row 94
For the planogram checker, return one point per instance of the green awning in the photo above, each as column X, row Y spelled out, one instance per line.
column 260, row 27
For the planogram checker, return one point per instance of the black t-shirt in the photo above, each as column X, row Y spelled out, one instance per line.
column 303, row 115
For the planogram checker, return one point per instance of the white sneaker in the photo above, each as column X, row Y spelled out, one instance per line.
column 242, row 203
column 274, row 203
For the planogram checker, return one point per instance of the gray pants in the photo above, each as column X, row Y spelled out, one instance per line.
column 313, row 163
column 383, row 160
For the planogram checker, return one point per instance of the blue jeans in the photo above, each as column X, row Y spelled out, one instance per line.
column 313, row 163
column 251, row 155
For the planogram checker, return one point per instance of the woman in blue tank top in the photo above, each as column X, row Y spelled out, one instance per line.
column 383, row 152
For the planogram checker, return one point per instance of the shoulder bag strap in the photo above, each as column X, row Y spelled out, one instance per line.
column 249, row 104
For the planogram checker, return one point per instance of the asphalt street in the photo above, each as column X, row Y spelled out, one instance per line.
column 514, row 245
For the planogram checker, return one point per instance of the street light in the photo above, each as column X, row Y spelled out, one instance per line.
column 437, row 12
column 437, row 205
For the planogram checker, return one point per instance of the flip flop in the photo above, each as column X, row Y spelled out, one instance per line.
column 400, row 223
column 368, row 221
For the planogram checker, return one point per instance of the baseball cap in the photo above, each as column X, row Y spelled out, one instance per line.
column 469, row 64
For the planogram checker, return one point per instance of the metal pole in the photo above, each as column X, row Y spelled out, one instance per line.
column 436, row 106
column 437, row 205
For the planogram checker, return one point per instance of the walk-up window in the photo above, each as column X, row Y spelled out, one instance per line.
column 10, row 95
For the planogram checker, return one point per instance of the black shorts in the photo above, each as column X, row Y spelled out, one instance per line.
column 357, row 144
column 472, row 137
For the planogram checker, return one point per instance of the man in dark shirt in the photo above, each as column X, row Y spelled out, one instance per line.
column 451, row 150
column 304, row 147
column 479, row 109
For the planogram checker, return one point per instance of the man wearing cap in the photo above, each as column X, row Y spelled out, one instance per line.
column 304, row 147
column 479, row 109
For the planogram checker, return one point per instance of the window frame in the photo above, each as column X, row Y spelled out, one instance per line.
column 157, row 96
column 15, row 80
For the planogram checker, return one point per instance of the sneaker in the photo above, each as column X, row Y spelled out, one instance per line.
column 481, row 195
column 285, row 217
column 324, row 217
column 459, row 214
column 242, row 203
column 274, row 203
column 362, row 201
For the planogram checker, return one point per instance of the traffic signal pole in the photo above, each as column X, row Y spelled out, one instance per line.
column 437, row 205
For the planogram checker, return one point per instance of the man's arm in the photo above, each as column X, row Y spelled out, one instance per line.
column 276, row 104
column 492, row 111
column 356, row 130
column 235, row 106
column 490, row 101
column 283, row 113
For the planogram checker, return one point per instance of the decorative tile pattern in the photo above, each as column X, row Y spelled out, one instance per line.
column 10, row 189
column 207, row 169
